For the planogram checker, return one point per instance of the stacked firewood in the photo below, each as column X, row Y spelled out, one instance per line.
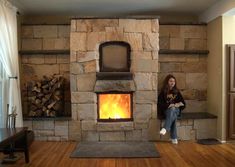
column 46, row 96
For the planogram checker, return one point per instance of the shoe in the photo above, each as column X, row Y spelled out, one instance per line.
column 163, row 131
column 174, row 141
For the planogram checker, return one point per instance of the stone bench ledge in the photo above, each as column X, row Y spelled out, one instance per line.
column 47, row 118
column 197, row 115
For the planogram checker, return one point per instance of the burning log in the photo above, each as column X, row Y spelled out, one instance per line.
column 46, row 96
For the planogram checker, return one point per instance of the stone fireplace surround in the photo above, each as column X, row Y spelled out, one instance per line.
column 85, row 39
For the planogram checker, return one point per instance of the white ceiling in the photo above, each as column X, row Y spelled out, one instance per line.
column 111, row 7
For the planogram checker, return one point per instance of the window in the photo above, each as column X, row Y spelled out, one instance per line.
column 2, row 80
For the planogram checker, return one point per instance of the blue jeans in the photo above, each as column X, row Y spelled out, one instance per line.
column 170, row 122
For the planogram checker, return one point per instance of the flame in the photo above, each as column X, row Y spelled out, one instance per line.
column 114, row 106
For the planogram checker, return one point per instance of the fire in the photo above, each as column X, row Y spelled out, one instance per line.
column 114, row 106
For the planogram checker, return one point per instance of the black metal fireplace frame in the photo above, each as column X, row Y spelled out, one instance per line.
column 118, row 43
column 115, row 120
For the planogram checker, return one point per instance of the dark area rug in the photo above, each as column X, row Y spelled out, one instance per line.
column 115, row 150
column 209, row 141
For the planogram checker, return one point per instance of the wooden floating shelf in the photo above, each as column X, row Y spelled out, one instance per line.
column 47, row 52
column 168, row 51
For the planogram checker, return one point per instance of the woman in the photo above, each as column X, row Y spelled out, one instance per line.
column 170, row 105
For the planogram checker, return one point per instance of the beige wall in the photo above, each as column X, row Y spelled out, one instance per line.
column 228, row 38
column 215, row 70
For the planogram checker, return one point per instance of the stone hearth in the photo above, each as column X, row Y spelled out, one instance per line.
column 86, row 37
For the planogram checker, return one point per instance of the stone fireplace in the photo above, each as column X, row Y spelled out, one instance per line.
column 113, row 67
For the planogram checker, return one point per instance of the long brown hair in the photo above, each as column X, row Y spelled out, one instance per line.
column 166, row 88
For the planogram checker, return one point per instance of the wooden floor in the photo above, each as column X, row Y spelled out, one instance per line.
column 56, row 154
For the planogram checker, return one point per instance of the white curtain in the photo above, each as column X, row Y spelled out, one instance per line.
column 9, row 57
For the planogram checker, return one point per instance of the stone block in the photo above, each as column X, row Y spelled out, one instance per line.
column 172, row 58
column 143, row 81
column 116, row 126
column 61, row 128
column 89, row 125
column 73, row 26
column 28, row 124
column 206, row 128
column 144, row 65
column 86, row 82
column 50, row 59
column 74, row 131
column 31, row 44
column 155, row 80
column 172, row 31
column 142, row 112
column 94, row 39
column 64, row 31
column 192, row 58
column 64, row 68
column 40, row 138
column 45, row 31
column 87, row 56
column 82, row 26
column 91, row 66
column 155, row 55
column 114, row 85
column 194, row 67
column 155, row 25
column 49, row 125
column 151, row 41
column 55, row 43
column 24, row 59
column 134, row 135
column 87, row 111
column 196, row 81
column 99, row 25
column 170, row 67
column 202, row 94
column 112, row 136
column 141, row 125
column 44, row 132
column 44, row 69
column 184, row 132
column 73, row 82
column 73, row 56
column 63, row 59
column 53, row 138
column 90, row 136
column 145, row 96
column 38, row 125
column 153, row 129
column 195, row 44
column 135, row 41
column 114, row 34
column 164, row 42
column 26, row 32
column 177, row 43
column 188, row 31
column 189, row 94
column 132, row 25
column 76, row 68
column 145, row 136
column 141, row 55
column 83, row 97
column 195, row 106
column 36, row 59
column 78, row 41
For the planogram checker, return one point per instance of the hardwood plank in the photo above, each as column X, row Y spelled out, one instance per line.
column 185, row 154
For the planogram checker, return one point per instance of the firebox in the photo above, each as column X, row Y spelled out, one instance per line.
column 115, row 107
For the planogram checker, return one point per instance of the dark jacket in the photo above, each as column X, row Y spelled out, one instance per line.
column 163, row 103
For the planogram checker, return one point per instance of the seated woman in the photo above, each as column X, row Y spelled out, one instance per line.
column 170, row 104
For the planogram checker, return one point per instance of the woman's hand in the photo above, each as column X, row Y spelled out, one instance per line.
column 171, row 105
column 179, row 104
